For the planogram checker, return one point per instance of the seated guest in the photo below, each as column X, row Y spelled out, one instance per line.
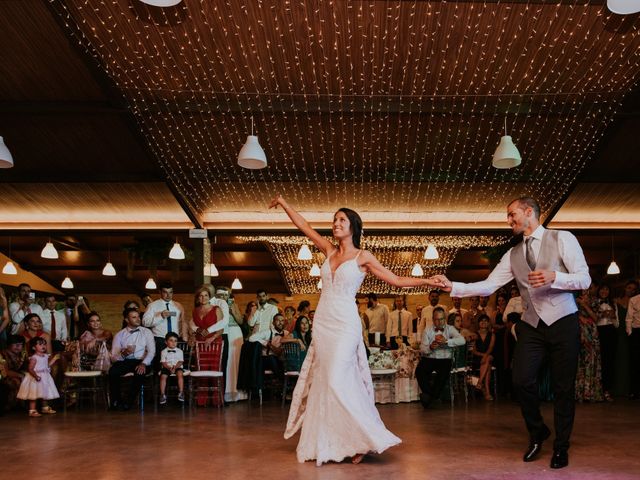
column 399, row 324
column 163, row 316
column 89, row 340
column 455, row 320
column 172, row 361
column 130, row 304
column 482, row 358
column 132, row 351
column 435, row 353
column 54, row 323
column 271, row 341
column 14, row 362
column 302, row 336
column 32, row 328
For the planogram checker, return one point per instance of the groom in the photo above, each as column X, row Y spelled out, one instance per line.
column 547, row 265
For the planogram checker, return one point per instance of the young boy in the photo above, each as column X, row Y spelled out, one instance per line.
column 171, row 359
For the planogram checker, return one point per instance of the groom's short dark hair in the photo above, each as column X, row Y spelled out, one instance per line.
column 525, row 202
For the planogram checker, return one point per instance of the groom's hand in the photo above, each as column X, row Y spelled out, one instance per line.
column 540, row 278
column 441, row 282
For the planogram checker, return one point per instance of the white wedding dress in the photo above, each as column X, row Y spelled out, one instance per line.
column 333, row 401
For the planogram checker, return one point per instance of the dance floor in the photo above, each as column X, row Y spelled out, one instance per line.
column 481, row 441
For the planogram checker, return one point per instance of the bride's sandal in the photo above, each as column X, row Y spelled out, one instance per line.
column 34, row 413
column 356, row 459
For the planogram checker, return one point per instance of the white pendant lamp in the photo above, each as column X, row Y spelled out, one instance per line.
column 315, row 270
column 49, row 251
column 161, row 3
column 623, row 7
column 176, row 252
column 431, row 253
column 236, row 285
column 9, row 268
column 67, row 283
column 109, row 270
column 6, row 160
column 613, row 269
column 417, row 271
column 210, row 270
column 305, row 252
column 506, row 155
column 251, row 154
column 151, row 284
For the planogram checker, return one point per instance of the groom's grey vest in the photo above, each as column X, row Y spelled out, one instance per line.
column 544, row 303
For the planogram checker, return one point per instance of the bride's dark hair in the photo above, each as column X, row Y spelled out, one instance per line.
column 356, row 225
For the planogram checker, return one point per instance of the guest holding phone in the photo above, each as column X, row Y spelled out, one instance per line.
column 23, row 306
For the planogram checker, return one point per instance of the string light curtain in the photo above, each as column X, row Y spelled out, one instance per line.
column 383, row 106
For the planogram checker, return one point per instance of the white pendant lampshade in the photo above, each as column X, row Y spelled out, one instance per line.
column 506, row 155
column 252, row 155
column 613, row 269
column 315, row 270
column 305, row 252
column 431, row 253
column 49, row 251
column 66, row 283
column 623, row 7
column 320, row 284
column 9, row 268
column 417, row 271
column 210, row 270
column 161, row 3
column 6, row 160
column 236, row 285
column 176, row 252
column 109, row 270
column 151, row 284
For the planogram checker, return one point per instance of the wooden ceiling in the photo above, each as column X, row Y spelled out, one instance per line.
column 125, row 120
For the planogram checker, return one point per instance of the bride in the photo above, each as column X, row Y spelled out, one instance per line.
column 333, row 400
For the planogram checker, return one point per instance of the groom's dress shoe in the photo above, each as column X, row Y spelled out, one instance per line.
column 535, row 446
column 559, row 459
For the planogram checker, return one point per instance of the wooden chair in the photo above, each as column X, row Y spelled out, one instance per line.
column 461, row 361
column 83, row 381
column 208, row 377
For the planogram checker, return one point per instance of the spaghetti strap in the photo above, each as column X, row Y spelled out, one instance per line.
column 359, row 252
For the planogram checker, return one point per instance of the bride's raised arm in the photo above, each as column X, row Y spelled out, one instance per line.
column 299, row 221
column 371, row 263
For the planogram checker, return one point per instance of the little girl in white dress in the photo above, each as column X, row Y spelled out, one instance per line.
column 39, row 384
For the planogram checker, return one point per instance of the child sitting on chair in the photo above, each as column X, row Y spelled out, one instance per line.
column 171, row 360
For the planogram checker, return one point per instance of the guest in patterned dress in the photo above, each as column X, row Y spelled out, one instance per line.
column 589, row 376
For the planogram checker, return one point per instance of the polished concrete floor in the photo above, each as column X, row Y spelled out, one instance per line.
column 481, row 441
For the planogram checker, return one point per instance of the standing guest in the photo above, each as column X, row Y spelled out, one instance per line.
column 271, row 341
column 233, row 346
column 205, row 318
column 607, row 321
column 90, row 338
column 289, row 317
column 15, row 363
column 171, row 361
column 427, row 312
column 547, row 265
column 515, row 302
column 632, row 327
column 32, row 328
column 163, row 316
column 303, row 310
column 470, row 320
column 220, row 300
column 589, row 376
column 263, row 315
column 146, row 300
column 457, row 307
column 4, row 319
column 23, row 306
column 38, row 383
column 364, row 323
column 132, row 351
column 399, row 325
column 76, row 311
column 54, row 323
column 482, row 355
column 311, row 315
column 378, row 315
column 498, row 322
column 435, row 355
column 486, row 308
column 415, row 323
column 621, row 384
column 249, row 311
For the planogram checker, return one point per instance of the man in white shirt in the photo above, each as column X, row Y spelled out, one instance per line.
column 470, row 319
column 378, row 315
column 435, row 355
column 427, row 312
column 547, row 265
column 271, row 341
column 632, row 325
column 399, row 326
column 132, row 351
column 54, row 322
column 163, row 316
column 457, row 307
column 24, row 305
column 262, row 317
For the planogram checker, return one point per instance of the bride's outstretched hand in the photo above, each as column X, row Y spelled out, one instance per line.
column 441, row 282
column 277, row 200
